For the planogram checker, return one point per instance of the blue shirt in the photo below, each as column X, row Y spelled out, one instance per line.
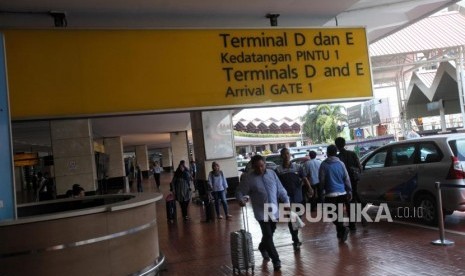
column 311, row 170
column 217, row 182
column 262, row 189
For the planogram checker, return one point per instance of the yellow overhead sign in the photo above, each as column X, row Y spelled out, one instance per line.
column 56, row 73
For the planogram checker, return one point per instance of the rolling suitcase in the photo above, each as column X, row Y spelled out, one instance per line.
column 170, row 208
column 242, row 247
column 210, row 210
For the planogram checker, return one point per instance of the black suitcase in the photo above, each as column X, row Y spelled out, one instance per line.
column 242, row 255
column 171, row 210
column 210, row 210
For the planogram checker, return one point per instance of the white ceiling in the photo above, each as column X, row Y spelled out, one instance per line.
column 381, row 18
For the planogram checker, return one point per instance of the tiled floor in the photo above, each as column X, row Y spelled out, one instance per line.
column 398, row 248
column 198, row 248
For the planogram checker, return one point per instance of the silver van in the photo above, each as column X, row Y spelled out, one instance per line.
column 404, row 174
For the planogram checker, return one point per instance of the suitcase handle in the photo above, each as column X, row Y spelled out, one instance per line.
column 245, row 218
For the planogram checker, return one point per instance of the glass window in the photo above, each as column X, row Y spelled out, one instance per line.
column 429, row 153
column 377, row 160
column 402, row 155
column 458, row 147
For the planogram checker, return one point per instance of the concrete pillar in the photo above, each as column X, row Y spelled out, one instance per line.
column 228, row 165
column 179, row 148
column 167, row 159
column 442, row 116
column 198, row 144
column 191, row 147
column 274, row 147
column 142, row 159
column 73, row 155
column 114, row 150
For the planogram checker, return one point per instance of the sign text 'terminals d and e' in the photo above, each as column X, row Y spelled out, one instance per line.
column 288, row 62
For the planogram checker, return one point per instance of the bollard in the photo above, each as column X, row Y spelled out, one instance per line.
column 442, row 240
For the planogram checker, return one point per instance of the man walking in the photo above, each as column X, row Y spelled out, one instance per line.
column 263, row 187
column 311, row 169
column 335, row 182
column 352, row 163
column 292, row 177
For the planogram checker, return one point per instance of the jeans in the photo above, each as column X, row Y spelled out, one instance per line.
column 220, row 195
column 267, row 244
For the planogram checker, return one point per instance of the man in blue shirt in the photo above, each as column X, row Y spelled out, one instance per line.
column 335, row 182
column 292, row 177
column 311, row 170
column 262, row 185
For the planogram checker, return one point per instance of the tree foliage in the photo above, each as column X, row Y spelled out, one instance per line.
column 321, row 122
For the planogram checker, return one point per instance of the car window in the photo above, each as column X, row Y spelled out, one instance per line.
column 274, row 158
column 402, row 155
column 377, row 160
column 242, row 163
column 458, row 147
column 429, row 153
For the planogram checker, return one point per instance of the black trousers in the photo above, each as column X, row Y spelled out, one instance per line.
column 157, row 179
column 267, row 243
column 355, row 199
column 339, row 201
column 184, row 205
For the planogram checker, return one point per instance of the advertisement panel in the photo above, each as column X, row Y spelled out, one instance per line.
column 373, row 111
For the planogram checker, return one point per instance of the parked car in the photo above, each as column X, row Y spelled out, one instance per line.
column 241, row 165
column 274, row 157
column 300, row 160
column 404, row 174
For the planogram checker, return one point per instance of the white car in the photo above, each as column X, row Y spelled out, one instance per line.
column 404, row 174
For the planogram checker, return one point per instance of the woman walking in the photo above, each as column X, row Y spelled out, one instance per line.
column 156, row 174
column 181, row 189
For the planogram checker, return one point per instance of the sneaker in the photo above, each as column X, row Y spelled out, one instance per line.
column 277, row 266
column 345, row 234
column 228, row 216
column 220, row 217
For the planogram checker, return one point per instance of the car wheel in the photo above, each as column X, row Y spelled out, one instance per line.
column 429, row 209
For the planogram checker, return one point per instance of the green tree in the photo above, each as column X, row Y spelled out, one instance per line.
column 321, row 122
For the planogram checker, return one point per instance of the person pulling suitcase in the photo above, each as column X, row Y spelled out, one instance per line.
column 263, row 186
